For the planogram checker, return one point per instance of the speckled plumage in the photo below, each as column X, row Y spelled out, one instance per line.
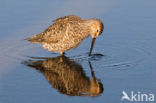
column 66, row 33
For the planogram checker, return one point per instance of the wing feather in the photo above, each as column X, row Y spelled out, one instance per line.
column 55, row 32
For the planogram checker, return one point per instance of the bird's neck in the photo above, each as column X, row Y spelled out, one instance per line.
column 87, row 27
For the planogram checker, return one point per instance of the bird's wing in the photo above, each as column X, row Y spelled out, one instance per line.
column 68, row 18
column 52, row 34
column 55, row 32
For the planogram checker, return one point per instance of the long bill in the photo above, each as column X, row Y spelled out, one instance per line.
column 92, row 45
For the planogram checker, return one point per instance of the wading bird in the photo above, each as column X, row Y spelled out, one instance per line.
column 67, row 33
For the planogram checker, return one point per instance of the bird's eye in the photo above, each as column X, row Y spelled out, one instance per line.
column 97, row 30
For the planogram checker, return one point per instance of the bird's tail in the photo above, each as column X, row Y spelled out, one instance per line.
column 35, row 39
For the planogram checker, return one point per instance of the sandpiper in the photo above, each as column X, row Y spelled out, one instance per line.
column 67, row 33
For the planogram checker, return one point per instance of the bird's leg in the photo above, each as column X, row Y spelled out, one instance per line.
column 61, row 54
column 61, row 59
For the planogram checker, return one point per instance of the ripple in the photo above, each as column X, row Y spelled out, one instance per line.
column 13, row 52
column 124, row 55
column 118, row 55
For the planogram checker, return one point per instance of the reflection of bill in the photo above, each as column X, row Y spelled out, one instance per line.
column 67, row 76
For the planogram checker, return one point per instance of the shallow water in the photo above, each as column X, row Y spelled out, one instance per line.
column 123, row 58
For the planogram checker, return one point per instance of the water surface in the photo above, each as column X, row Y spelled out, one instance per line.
column 123, row 57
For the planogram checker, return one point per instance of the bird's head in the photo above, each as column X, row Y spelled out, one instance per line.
column 95, row 29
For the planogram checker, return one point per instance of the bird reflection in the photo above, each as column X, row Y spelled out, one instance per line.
column 67, row 76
